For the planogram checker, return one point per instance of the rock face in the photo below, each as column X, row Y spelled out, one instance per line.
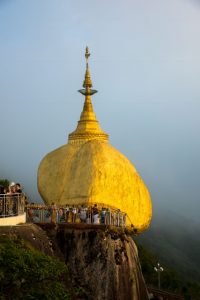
column 31, row 234
column 104, row 263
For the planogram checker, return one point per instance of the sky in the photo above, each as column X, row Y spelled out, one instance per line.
column 145, row 64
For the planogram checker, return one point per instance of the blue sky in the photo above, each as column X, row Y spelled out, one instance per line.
column 145, row 63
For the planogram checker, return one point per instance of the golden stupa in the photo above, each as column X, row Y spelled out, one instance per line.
column 88, row 170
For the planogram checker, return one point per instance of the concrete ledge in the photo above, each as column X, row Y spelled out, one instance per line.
column 15, row 220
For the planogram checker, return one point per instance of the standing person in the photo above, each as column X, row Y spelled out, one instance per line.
column 53, row 213
column 95, row 212
column 83, row 214
column 108, row 217
column 18, row 188
column 10, row 203
column 103, row 215
column 19, row 200
column 11, row 189
column 66, row 213
column 124, row 219
column 1, row 199
column 60, row 215
column 1, row 189
column 74, row 212
column 88, row 215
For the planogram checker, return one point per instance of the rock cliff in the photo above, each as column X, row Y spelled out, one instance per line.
column 102, row 263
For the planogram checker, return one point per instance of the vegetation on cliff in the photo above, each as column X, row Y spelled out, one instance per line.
column 4, row 182
column 29, row 274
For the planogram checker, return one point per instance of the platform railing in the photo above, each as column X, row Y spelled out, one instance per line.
column 75, row 215
column 11, row 204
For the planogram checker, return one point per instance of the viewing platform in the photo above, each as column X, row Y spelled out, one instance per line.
column 76, row 215
column 12, row 209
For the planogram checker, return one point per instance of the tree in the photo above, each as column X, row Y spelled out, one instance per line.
column 28, row 274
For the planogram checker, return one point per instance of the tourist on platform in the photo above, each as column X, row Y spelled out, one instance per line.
column 114, row 218
column 1, row 200
column 60, row 215
column 70, row 216
column 124, row 219
column 66, row 213
column 103, row 216
column 5, row 190
column 47, row 215
column 10, row 201
column 18, row 188
column 74, row 212
column 11, row 189
column 107, row 217
column 83, row 214
column 95, row 213
column 19, row 200
column 119, row 218
column 77, row 220
column 53, row 213
column 1, row 189
column 36, row 218
column 89, row 215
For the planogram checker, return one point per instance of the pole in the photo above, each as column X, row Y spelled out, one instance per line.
column 159, row 269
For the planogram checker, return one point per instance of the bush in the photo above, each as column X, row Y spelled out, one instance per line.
column 28, row 274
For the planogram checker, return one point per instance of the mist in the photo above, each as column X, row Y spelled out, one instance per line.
column 145, row 64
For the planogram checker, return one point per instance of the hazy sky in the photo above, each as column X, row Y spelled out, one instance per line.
column 145, row 63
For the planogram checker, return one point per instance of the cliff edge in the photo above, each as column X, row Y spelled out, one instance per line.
column 102, row 263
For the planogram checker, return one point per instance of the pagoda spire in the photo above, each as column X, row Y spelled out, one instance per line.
column 88, row 127
column 87, row 112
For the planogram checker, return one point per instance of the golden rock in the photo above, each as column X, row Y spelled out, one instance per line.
column 88, row 170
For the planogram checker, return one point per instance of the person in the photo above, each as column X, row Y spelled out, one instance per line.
column 1, row 199
column 78, row 220
column 10, row 201
column 83, row 214
column 1, row 189
column 53, row 213
column 19, row 199
column 124, row 219
column 11, row 189
column 103, row 215
column 60, row 215
column 88, row 215
column 95, row 212
column 108, row 217
column 66, row 213
column 70, row 216
column 18, row 188
column 36, row 218
column 74, row 212
column 114, row 218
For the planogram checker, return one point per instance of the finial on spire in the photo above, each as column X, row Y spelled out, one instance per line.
column 87, row 55
column 87, row 84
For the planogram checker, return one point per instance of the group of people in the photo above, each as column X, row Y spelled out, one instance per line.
column 11, row 202
column 79, row 214
column 13, row 188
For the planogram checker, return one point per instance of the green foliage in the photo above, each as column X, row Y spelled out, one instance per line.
column 28, row 274
column 4, row 182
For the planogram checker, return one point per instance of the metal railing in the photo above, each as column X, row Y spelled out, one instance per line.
column 11, row 205
column 75, row 215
